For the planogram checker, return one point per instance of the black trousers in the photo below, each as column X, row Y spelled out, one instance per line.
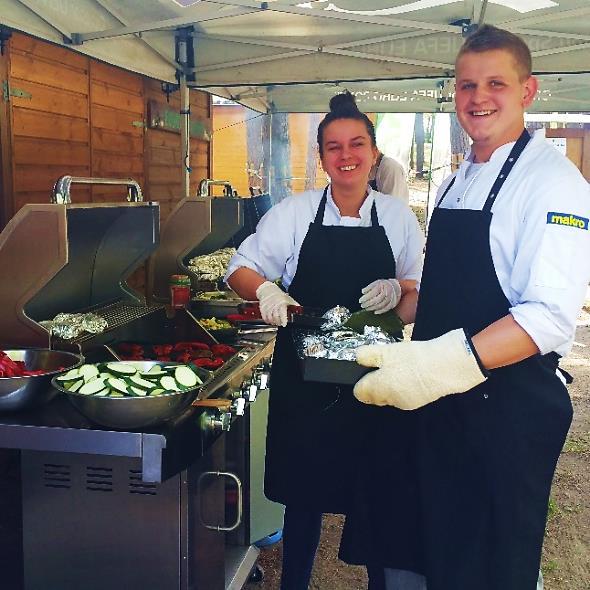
column 301, row 535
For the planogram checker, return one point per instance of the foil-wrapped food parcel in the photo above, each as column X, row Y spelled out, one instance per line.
column 71, row 325
column 211, row 267
column 336, row 341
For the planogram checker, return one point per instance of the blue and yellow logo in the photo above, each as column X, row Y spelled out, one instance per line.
column 567, row 219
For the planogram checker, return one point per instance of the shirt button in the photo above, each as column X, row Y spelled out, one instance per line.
column 458, row 200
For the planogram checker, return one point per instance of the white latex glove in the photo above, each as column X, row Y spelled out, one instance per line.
column 413, row 374
column 381, row 295
column 273, row 303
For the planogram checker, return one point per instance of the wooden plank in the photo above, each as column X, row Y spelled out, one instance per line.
column 230, row 147
column 107, row 165
column 574, row 150
column 116, row 143
column 40, row 48
column 157, row 138
column 115, row 98
column 49, row 126
column 50, row 100
column 114, row 120
column 566, row 132
column 7, row 203
column 161, row 156
column 46, row 152
column 114, row 76
column 160, row 174
column 50, row 73
column 42, row 178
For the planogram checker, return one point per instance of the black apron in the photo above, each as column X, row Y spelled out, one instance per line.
column 314, row 428
column 480, row 463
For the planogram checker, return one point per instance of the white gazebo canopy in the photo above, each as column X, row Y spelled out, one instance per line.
column 292, row 56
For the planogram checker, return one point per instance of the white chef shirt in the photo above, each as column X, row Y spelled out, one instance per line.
column 539, row 243
column 273, row 251
column 390, row 177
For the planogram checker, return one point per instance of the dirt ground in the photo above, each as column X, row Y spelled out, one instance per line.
column 566, row 555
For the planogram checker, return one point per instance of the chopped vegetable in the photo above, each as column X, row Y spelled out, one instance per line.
column 125, row 380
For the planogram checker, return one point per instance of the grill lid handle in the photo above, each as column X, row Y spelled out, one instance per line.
column 61, row 189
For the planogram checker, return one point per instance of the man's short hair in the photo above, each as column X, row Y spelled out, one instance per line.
column 489, row 38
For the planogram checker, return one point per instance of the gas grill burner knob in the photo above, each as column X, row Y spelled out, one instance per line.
column 261, row 376
column 249, row 390
column 215, row 422
column 239, row 406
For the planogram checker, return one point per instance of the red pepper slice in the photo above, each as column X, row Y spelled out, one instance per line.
column 222, row 349
column 162, row 349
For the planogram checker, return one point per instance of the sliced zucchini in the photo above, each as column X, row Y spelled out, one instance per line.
column 75, row 385
column 186, row 377
column 89, row 372
column 118, row 385
column 115, row 393
column 154, row 371
column 157, row 391
column 91, row 387
column 71, row 374
column 103, row 392
column 121, row 368
column 169, row 384
column 137, row 380
column 137, row 391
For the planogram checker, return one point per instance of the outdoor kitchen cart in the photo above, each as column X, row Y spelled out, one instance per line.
column 176, row 506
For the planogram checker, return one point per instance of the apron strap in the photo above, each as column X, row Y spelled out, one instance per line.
column 319, row 216
column 515, row 153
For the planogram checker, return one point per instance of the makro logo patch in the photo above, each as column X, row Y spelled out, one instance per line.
column 567, row 219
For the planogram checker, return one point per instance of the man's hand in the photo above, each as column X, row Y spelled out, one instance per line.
column 413, row 374
column 381, row 295
column 273, row 303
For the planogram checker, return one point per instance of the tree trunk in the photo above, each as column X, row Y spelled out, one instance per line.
column 258, row 138
column 419, row 144
column 459, row 142
column 280, row 167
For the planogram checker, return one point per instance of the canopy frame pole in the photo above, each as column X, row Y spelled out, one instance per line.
column 181, row 21
column 67, row 35
column 302, row 49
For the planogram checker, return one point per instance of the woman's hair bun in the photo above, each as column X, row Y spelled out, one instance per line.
column 343, row 103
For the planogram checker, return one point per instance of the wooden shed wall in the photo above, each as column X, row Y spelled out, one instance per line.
column 70, row 114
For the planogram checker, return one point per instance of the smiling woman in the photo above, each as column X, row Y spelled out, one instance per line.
column 346, row 245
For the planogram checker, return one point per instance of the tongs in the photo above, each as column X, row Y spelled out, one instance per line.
column 297, row 315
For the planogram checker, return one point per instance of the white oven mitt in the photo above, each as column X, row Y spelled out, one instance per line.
column 273, row 303
column 413, row 374
column 381, row 295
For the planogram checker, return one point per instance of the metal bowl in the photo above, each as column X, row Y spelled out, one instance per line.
column 21, row 393
column 124, row 413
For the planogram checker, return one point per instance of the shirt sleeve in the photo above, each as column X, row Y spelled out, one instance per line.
column 409, row 262
column 552, row 264
column 391, row 179
column 268, row 250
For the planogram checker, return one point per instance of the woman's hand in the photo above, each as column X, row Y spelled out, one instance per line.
column 381, row 295
column 273, row 303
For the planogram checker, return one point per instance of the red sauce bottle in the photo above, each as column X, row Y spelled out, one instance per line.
column 180, row 291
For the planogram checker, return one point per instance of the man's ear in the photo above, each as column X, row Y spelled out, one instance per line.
column 529, row 87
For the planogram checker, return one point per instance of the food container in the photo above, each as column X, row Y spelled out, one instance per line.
column 130, row 413
column 180, row 291
column 22, row 393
